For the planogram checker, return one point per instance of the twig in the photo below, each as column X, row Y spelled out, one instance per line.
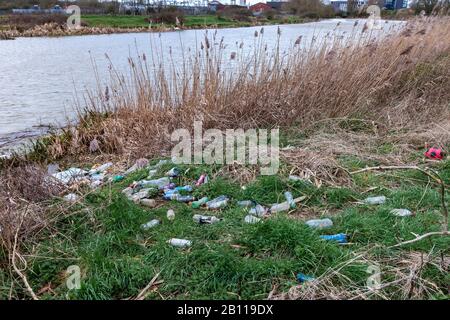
column 142, row 294
column 13, row 261
column 418, row 238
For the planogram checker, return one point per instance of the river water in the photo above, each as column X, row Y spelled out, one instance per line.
column 41, row 78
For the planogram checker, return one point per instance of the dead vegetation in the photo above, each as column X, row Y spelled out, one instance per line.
column 405, row 270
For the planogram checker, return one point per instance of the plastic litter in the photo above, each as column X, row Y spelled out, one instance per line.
column 128, row 191
column 258, row 210
column 118, row 178
column 170, row 215
column 339, row 238
column 205, row 219
column 435, row 154
column 152, row 173
column 197, row 204
column 174, row 172
column 246, row 203
column 251, row 219
column 218, row 203
column 295, row 178
column 320, row 223
column 71, row 197
column 180, row 243
column 375, row 200
column 278, row 207
column 141, row 194
column 290, row 199
column 304, row 278
column 284, row 206
column 202, row 180
column 151, row 203
column 52, row 168
column 70, row 175
column 401, row 212
column 101, row 169
column 160, row 183
column 151, row 224
column 139, row 164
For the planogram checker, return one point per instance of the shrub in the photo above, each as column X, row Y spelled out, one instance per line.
column 168, row 16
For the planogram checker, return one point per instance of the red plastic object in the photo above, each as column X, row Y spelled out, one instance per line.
column 435, row 154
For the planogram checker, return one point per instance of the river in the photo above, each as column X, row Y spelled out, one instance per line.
column 41, row 78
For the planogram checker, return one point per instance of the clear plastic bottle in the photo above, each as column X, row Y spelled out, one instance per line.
column 320, row 223
column 170, row 215
column 151, row 224
column 278, row 207
column 290, row 199
column 205, row 219
column 218, row 203
column 258, row 211
column 375, row 200
column 180, row 243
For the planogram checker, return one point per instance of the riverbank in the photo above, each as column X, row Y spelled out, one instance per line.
column 96, row 25
column 337, row 114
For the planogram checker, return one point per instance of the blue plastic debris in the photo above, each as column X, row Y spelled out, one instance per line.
column 303, row 278
column 339, row 238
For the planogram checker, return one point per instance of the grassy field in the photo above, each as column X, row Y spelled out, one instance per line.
column 235, row 260
column 336, row 112
column 190, row 21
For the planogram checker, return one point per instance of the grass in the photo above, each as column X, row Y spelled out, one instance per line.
column 125, row 21
column 231, row 259
column 336, row 119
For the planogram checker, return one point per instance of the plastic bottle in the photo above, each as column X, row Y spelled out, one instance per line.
column 118, row 178
column 197, row 204
column 339, row 238
column 184, row 188
column 320, row 223
column 160, row 183
column 251, row 219
column 375, row 200
column 101, row 168
column 205, row 219
column 258, row 210
column 151, row 224
column 170, row 215
column 180, row 243
column 246, row 203
column 218, row 202
column 151, row 203
column 174, row 172
column 277, row 207
column 290, row 199
column 181, row 198
column 201, row 180
column 303, row 278
column 401, row 212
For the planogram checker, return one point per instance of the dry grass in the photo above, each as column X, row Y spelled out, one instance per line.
column 401, row 82
column 404, row 271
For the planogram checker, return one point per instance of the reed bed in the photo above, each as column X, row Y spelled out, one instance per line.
column 401, row 81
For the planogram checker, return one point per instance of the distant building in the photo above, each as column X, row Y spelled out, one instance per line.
column 38, row 10
column 259, row 8
column 396, row 4
column 276, row 5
